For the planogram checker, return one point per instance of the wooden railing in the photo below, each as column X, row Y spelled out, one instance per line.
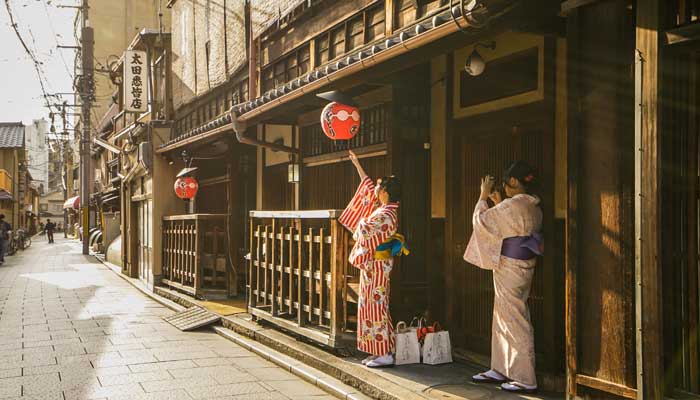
column 298, row 272
column 195, row 254
column 5, row 181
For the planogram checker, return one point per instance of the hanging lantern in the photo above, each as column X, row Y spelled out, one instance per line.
column 340, row 121
column 186, row 187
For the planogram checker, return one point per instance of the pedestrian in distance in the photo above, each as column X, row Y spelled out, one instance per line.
column 5, row 232
column 49, row 228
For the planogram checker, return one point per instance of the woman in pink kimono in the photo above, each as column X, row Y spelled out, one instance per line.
column 372, row 217
column 506, row 240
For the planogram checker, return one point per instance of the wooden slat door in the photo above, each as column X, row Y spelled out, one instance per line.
column 680, row 195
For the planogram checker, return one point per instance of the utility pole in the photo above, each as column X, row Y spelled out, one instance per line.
column 87, row 43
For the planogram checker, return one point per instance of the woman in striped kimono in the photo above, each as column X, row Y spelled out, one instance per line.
column 372, row 217
column 506, row 240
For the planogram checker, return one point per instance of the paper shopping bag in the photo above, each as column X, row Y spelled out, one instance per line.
column 407, row 346
column 437, row 348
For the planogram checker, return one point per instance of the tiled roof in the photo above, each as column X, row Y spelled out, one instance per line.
column 11, row 135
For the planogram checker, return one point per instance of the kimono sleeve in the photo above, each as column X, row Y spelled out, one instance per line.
column 375, row 230
column 361, row 206
column 484, row 248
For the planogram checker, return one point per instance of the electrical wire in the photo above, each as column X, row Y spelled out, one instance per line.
column 31, row 55
column 48, row 17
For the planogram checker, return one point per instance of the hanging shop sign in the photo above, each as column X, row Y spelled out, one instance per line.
column 135, row 81
column 340, row 121
column 186, row 187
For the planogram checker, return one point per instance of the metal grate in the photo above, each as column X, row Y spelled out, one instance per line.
column 191, row 318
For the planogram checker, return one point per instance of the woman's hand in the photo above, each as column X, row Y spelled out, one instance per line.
column 356, row 162
column 487, row 183
column 496, row 197
column 353, row 157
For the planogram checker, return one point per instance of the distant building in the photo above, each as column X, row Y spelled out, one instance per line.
column 38, row 152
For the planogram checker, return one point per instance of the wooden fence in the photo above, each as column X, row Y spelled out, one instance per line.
column 299, row 278
column 195, row 254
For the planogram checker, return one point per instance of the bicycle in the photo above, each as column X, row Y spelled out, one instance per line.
column 23, row 240
column 18, row 240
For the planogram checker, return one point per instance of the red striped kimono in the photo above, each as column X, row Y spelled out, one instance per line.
column 371, row 224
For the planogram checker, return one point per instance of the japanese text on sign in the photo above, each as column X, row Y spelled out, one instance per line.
column 135, row 81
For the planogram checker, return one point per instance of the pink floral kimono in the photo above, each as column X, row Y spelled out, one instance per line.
column 512, row 335
column 371, row 224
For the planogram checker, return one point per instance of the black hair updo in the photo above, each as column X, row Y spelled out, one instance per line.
column 392, row 185
column 525, row 174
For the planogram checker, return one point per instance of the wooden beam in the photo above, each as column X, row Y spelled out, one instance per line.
column 605, row 386
column 570, row 283
column 389, row 7
column 647, row 265
column 571, row 5
column 682, row 35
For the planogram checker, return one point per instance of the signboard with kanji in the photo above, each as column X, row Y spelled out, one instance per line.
column 135, row 81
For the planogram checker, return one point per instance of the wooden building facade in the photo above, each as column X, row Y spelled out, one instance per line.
column 580, row 88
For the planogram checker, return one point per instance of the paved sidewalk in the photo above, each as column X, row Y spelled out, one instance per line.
column 71, row 329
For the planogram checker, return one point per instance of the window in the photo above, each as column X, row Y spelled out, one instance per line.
column 283, row 71
column 375, row 24
column 356, row 32
column 337, row 47
column 279, row 77
column 322, row 52
column 304, row 60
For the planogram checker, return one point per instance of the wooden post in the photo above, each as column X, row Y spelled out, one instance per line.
column 273, row 269
column 337, row 288
column 197, row 267
column 251, row 251
column 266, row 264
column 321, row 275
column 648, row 272
column 389, row 7
column 300, row 275
column 291, row 270
column 311, row 275
column 572, row 197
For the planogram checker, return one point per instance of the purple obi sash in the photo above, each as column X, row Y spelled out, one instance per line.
column 523, row 247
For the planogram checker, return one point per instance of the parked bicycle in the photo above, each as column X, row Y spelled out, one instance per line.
column 18, row 240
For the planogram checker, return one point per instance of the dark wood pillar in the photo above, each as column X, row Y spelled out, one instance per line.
column 648, row 271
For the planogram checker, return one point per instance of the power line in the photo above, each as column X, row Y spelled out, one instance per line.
column 55, row 36
column 36, row 62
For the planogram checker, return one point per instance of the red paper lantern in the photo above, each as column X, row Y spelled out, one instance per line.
column 340, row 121
column 186, row 187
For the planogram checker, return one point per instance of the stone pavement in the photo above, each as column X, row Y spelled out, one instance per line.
column 71, row 329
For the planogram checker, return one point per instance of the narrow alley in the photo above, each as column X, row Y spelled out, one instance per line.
column 71, row 329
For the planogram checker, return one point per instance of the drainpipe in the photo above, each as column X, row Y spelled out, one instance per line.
column 239, row 128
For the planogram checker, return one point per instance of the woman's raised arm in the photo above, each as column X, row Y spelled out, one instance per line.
column 356, row 163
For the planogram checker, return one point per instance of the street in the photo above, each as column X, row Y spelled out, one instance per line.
column 72, row 329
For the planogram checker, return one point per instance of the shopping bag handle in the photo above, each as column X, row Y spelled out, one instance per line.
column 401, row 327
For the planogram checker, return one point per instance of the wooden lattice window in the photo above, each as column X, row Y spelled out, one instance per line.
column 356, row 31
column 375, row 23
column 337, row 47
column 304, row 60
column 322, row 49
